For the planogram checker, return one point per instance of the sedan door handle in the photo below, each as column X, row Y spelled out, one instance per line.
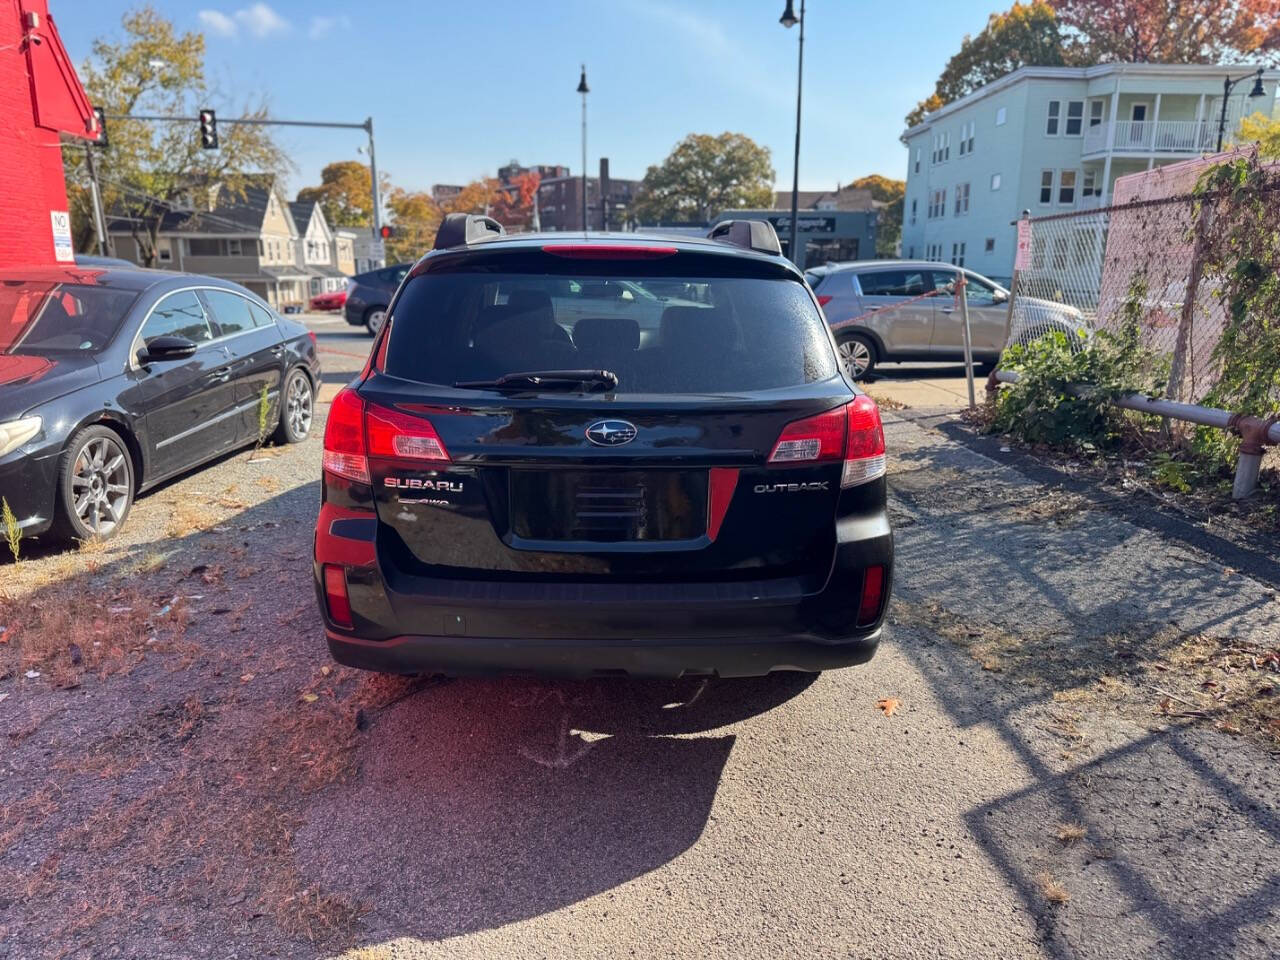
column 222, row 373
column 277, row 350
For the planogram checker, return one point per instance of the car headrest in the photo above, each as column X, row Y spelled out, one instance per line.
column 607, row 334
column 526, row 301
column 697, row 328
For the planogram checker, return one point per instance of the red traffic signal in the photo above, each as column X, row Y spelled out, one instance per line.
column 385, row 232
column 208, row 130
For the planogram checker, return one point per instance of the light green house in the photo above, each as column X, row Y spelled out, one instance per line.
column 1052, row 140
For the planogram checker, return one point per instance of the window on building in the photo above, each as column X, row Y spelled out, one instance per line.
column 1002, row 115
column 1055, row 115
column 1060, row 247
column 962, row 199
column 946, row 146
column 913, row 210
column 164, row 250
column 1046, row 186
column 234, row 248
column 1067, row 187
column 1095, row 112
column 995, row 181
column 917, row 165
column 966, row 136
column 1088, row 184
column 990, row 245
column 1075, row 117
column 937, row 204
column 957, row 254
column 911, row 252
column 204, row 247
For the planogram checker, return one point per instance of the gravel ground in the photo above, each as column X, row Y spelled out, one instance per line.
column 1071, row 757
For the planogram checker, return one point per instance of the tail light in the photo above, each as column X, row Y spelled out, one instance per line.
column 357, row 431
column 397, row 435
column 344, row 449
column 872, row 595
column 852, row 433
column 335, row 595
column 824, row 299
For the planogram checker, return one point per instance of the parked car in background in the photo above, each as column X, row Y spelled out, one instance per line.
column 507, row 488
column 113, row 380
column 331, row 300
column 893, row 320
column 369, row 293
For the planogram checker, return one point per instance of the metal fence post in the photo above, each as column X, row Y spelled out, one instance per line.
column 963, row 297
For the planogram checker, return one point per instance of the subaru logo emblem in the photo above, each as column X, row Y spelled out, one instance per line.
column 611, row 433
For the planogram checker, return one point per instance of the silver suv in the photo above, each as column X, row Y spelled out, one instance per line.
column 894, row 321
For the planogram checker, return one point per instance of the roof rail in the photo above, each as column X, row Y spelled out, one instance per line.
column 752, row 234
column 459, row 229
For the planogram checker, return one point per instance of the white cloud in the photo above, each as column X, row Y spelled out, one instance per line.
column 261, row 20
column 217, row 22
column 258, row 20
column 320, row 26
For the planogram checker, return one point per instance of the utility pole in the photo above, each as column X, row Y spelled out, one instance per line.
column 584, row 90
column 95, row 194
column 377, row 201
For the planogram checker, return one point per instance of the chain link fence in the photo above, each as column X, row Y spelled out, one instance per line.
column 1094, row 266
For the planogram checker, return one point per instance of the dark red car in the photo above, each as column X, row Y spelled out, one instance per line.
column 333, row 300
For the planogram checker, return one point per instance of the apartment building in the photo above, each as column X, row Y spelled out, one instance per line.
column 1054, row 139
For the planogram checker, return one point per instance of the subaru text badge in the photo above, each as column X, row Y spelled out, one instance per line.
column 611, row 433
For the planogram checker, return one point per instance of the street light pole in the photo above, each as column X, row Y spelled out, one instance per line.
column 788, row 20
column 1227, row 85
column 584, row 90
column 377, row 201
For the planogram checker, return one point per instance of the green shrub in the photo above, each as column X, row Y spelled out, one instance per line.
column 1038, row 408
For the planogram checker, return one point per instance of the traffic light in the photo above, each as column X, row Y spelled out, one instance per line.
column 386, row 232
column 208, row 130
column 100, row 114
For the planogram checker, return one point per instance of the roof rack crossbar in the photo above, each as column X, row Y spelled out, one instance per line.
column 460, row 229
column 756, row 235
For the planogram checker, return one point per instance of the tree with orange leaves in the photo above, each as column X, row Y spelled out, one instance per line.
column 513, row 204
column 1171, row 31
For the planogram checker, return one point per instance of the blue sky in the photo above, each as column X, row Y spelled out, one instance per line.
column 458, row 88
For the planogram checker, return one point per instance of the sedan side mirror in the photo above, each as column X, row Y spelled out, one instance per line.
column 1000, row 296
column 167, row 347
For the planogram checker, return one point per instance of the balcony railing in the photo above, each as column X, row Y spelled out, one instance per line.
column 1147, row 136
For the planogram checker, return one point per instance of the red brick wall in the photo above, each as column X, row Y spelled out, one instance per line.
column 31, row 182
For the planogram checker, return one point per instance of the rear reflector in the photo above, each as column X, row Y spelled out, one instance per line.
column 609, row 251
column 402, row 436
column 825, row 299
column 335, row 595
column 872, row 595
column 723, row 481
column 852, row 433
column 344, row 451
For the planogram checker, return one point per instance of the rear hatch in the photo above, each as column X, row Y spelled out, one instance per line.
column 654, row 468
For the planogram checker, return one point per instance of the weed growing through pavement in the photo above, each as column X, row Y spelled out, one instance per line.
column 264, row 414
column 1052, row 890
column 12, row 533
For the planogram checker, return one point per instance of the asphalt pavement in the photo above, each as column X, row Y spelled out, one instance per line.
column 997, row 782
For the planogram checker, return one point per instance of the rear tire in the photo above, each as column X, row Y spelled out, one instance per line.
column 374, row 318
column 95, row 486
column 857, row 355
column 297, row 408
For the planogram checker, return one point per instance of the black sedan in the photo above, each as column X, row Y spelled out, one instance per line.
column 113, row 380
column 369, row 293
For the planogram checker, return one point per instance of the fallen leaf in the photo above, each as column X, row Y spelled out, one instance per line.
column 32, row 674
column 245, row 678
column 888, row 705
column 310, row 697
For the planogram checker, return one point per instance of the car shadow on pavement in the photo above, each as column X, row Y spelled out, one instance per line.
column 172, row 714
column 486, row 801
column 1137, row 828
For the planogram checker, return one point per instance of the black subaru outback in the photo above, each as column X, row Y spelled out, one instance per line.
column 603, row 454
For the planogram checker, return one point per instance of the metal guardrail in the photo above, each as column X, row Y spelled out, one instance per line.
column 1254, row 432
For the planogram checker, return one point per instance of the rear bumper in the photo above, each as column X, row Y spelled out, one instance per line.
column 670, row 658
column 412, row 624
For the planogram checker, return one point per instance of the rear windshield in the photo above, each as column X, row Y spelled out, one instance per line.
column 658, row 335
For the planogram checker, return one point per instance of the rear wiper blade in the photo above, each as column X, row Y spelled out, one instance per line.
column 588, row 381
